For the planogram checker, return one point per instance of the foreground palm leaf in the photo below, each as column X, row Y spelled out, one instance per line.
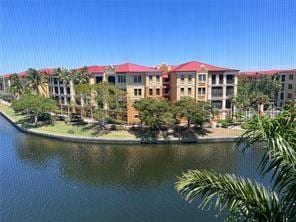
column 246, row 201
column 249, row 201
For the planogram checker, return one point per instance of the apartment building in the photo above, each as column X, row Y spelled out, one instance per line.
column 204, row 82
column 198, row 80
column 287, row 78
column 287, row 92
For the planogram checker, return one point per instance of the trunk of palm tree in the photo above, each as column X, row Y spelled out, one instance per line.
column 35, row 119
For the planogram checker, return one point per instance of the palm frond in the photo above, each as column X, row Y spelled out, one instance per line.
column 279, row 143
column 246, row 200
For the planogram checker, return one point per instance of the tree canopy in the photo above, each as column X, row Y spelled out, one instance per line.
column 255, row 92
column 155, row 113
column 34, row 105
column 36, row 80
column 193, row 111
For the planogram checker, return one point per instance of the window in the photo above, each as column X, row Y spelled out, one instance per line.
column 190, row 79
column 61, row 90
column 55, row 81
column 201, row 77
column 157, row 79
column 229, row 79
column 99, row 79
column 137, row 79
column 158, row 92
column 228, row 104
column 182, row 91
column 150, row 92
column 283, row 87
column 213, row 79
column 283, row 78
column 62, row 100
column 217, row 91
column 220, row 79
column 217, row 104
column 189, row 91
column 137, row 92
column 289, row 95
column 166, row 90
column 229, row 90
column 121, row 79
column 68, row 90
column 290, row 86
column 291, row 77
column 56, row 90
column 201, row 91
column 182, row 79
column 150, row 79
column 282, row 95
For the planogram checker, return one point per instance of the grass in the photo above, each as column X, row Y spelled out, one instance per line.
column 10, row 112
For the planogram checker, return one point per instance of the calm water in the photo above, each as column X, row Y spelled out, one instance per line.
column 45, row 180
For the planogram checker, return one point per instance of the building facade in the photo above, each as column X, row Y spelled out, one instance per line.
column 200, row 81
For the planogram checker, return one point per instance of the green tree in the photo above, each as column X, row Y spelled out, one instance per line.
column 193, row 111
column 110, row 98
column 255, row 93
column 34, row 105
column 247, row 200
column 17, row 86
column 155, row 113
column 36, row 80
column 63, row 74
column 80, row 76
column 85, row 92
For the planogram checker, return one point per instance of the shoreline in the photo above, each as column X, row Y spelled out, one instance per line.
column 85, row 139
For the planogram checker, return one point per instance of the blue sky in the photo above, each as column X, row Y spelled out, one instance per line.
column 247, row 35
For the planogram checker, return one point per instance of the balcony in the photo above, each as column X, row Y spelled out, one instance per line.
column 217, row 92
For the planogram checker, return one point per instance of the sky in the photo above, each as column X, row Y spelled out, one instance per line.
column 240, row 34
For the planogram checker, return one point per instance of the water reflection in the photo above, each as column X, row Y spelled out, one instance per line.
column 132, row 164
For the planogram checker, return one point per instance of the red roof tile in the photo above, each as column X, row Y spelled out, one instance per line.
column 130, row 67
column 7, row 75
column 196, row 66
column 96, row 69
column 47, row 71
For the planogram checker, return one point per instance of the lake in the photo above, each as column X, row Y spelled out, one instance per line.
column 47, row 180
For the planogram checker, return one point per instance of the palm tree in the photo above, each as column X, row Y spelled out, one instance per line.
column 64, row 76
column 81, row 76
column 36, row 80
column 17, row 86
column 247, row 200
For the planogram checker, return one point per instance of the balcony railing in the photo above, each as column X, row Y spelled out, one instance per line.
column 230, row 81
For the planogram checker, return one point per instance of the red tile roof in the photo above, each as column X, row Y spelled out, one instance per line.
column 196, row 66
column 7, row 75
column 95, row 69
column 47, row 71
column 22, row 74
column 130, row 67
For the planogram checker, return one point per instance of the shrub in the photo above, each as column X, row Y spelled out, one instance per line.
column 225, row 122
